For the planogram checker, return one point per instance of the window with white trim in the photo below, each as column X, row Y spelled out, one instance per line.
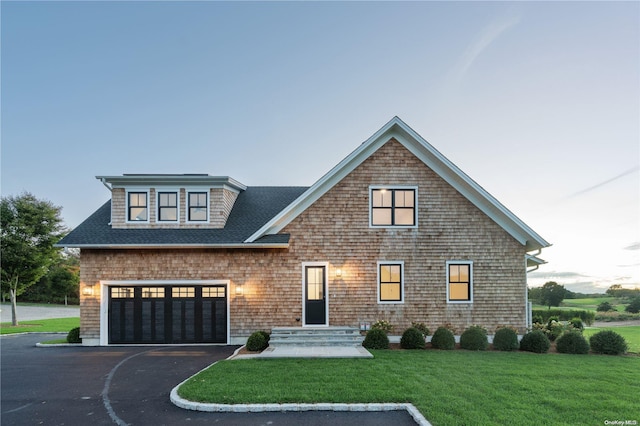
column 390, row 282
column 137, row 206
column 197, row 207
column 168, row 206
column 460, row 282
column 393, row 207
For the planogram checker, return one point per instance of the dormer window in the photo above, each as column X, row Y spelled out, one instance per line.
column 167, row 206
column 137, row 207
column 198, row 210
column 393, row 207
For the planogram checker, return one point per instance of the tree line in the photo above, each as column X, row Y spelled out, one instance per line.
column 31, row 267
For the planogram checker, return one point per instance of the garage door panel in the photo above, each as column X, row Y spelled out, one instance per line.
column 168, row 314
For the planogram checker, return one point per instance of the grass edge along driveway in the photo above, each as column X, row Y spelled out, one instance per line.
column 41, row 326
column 448, row 387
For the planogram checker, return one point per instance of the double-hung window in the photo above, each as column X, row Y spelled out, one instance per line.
column 137, row 207
column 391, row 282
column 393, row 206
column 460, row 282
column 167, row 206
column 197, row 209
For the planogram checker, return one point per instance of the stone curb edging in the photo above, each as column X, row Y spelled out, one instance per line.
column 261, row 408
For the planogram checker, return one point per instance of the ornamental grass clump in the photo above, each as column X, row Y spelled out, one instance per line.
column 506, row 339
column 608, row 342
column 376, row 338
column 443, row 339
column 412, row 338
column 572, row 342
column 474, row 338
column 535, row 341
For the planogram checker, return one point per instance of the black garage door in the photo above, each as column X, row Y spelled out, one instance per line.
column 168, row 314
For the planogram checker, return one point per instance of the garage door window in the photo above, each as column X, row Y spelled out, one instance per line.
column 152, row 292
column 213, row 292
column 122, row 292
column 183, row 292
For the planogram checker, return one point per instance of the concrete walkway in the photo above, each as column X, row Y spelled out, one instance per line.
column 310, row 352
column 30, row 312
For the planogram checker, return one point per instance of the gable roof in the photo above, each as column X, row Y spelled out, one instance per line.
column 431, row 157
column 253, row 208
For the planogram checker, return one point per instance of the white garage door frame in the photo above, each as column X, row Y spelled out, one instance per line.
column 104, row 301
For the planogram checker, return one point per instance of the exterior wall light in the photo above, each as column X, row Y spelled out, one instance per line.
column 239, row 290
column 87, row 290
column 338, row 272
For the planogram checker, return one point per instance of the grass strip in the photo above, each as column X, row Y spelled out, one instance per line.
column 448, row 387
column 45, row 326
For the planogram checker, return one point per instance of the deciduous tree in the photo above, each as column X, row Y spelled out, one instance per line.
column 552, row 294
column 29, row 228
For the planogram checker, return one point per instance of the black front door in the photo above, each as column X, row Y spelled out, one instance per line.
column 315, row 289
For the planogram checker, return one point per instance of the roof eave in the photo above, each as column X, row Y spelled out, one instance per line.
column 177, row 246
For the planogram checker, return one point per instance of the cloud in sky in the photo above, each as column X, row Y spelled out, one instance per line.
column 486, row 38
column 634, row 246
column 604, row 182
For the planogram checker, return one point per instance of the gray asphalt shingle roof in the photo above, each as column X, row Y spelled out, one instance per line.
column 253, row 208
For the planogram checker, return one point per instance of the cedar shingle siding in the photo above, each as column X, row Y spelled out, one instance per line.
column 336, row 229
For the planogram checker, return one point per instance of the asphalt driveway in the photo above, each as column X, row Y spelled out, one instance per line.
column 127, row 385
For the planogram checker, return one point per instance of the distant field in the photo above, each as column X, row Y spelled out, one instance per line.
column 588, row 304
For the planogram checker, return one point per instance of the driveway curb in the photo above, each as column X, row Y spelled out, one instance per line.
column 262, row 408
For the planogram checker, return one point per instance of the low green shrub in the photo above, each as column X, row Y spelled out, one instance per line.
column 474, row 338
column 572, row 342
column 564, row 315
column 422, row 327
column 576, row 323
column 616, row 316
column 412, row 338
column 376, row 338
column 383, row 325
column 74, row 335
column 608, row 342
column 634, row 306
column 258, row 341
column 535, row 341
column 506, row 339
column 605, row 307
column 443, row 338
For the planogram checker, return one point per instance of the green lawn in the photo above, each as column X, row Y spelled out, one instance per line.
column 630, row 333
column 592, row 303
column 45, row 326
column 448, row 387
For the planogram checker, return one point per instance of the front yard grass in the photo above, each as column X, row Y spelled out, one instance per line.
column 448, row 387
column 44, row 326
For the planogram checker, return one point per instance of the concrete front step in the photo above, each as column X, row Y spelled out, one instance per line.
column 315, row 336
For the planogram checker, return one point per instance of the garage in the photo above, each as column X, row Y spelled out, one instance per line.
column 167, row 314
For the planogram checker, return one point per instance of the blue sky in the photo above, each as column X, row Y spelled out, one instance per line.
column 537, row 102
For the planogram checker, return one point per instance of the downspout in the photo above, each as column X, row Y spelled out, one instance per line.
column 527, row 304
column 104, row 182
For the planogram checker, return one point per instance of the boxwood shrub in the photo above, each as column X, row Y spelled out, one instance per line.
column 572, row 342
column 258, row 341
column 474, row 338
column 412, row 338
column 376, row 338
column 443, row 339
column 535, row 341
column 608, row 342
column 506, row 339
column 74, row 336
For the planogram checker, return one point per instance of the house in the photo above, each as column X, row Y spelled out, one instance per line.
column 394, row 232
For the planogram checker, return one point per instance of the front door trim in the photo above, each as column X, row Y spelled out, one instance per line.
column 326, row 292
